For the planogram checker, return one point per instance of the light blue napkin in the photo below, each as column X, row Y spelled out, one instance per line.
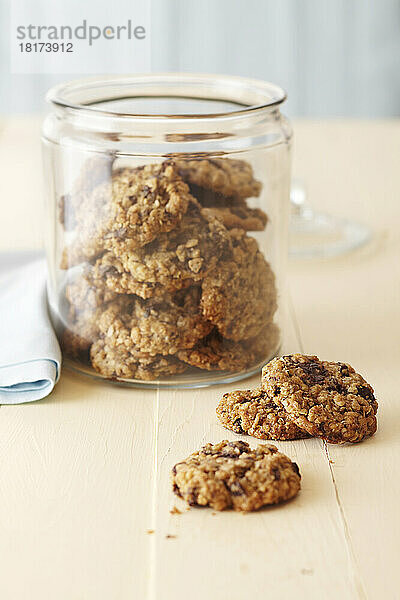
column 30, row 357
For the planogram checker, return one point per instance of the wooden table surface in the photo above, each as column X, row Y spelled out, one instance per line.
column 84, row 474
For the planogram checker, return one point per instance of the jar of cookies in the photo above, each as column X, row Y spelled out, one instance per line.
column 167, row 203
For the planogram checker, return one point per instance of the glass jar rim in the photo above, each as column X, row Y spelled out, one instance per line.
column 82, row 95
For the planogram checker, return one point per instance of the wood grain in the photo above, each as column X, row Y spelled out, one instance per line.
column 76, row 493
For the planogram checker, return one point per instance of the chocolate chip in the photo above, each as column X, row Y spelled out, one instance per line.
column 241, row 446
column 230, row 454
column 365, row 393
column 344, row 369
column 176, row 490
column 236, row 489
column 336, row 386
column 315, row 373
column 296, row 469
column 276, row 473
column 237, row 426
column 277, row 390
column 244, row 399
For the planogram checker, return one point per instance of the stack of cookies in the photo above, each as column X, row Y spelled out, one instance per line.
column 162, row 274
column 301, row 396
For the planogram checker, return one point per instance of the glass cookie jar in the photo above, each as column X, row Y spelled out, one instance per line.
column 167, row 202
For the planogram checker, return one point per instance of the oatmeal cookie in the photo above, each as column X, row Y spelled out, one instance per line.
column 94, row 171
column 225, row 176
column 222, row 186
column 173, row 261
column 85, row 294
column 239, row 295
column 75, row 345
column 326, row 399
column 80, row 333
column 115, row 361
column 156, row 326
column 239, row 216
column 86, row 302
column 254, row 413
column 128, row 212
column 232, row 475
column 217, row 353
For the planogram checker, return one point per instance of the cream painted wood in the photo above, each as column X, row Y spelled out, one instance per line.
column 348, row 309
column 76, row 493
column 85, row 473
column 353, row 315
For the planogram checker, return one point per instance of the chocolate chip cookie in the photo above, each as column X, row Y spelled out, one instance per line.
column 173, row 261
column 326, row 399
column 232, row 475
column 239, row 296
column 254, row 413
column 128, row 211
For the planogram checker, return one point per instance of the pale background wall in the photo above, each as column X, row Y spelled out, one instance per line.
column 334, row 57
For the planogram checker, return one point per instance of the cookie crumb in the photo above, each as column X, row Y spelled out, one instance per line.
column 175, row 511
column 149, row 531
column 170, row 536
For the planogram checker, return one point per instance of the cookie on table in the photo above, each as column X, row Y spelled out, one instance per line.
column 215, row 353
column 222, row 185
column 155, row 326
column 171, row 262
column 252, row 412
column 128, row 212
column 239, row 296
column 115, row 361
column 326, row 399
column 232, row 475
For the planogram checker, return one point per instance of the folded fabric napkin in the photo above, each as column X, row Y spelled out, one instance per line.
column 30, row 357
